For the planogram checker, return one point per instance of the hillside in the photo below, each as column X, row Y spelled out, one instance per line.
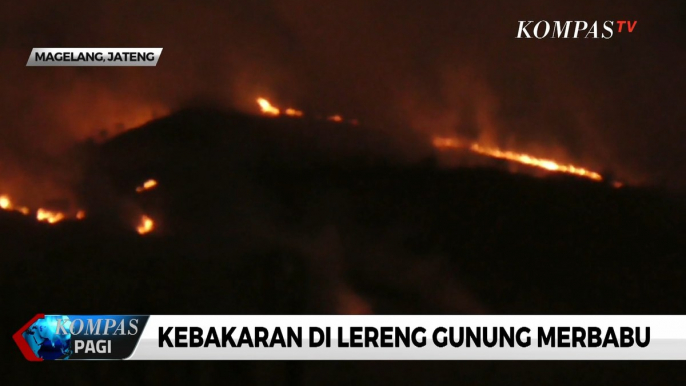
column 276, row 216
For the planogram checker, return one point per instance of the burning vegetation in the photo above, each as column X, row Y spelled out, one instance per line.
column 448, row 143
column 147, row 185
column 6, row 204
column 50, row 216
column 294, row 113
column 145, row 226
column 267, row 108
column 43, row 215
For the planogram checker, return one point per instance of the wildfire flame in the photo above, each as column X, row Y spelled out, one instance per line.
column 6, row 204
column 444, row 143
column 525, row 159
column 537, row 162
column 147, row 185
column 146, row 225
column 42, row 214
column 294, row 113
column 267, row 107
column 49, row 216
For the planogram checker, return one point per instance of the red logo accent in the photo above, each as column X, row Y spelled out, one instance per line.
column 21, row 342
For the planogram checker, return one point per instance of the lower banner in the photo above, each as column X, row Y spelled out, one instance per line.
column 353, row 337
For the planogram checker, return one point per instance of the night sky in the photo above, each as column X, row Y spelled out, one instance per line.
column 439, row 67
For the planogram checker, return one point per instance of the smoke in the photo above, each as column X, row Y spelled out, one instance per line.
column 402, row 66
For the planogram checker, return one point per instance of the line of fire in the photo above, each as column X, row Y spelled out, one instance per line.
column 145, row 224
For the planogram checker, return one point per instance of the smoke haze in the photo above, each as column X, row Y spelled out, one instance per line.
column 440, row 67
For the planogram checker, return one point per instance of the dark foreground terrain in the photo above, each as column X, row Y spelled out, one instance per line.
column 261, row 216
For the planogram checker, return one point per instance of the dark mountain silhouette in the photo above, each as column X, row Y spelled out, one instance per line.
column 282, row 216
